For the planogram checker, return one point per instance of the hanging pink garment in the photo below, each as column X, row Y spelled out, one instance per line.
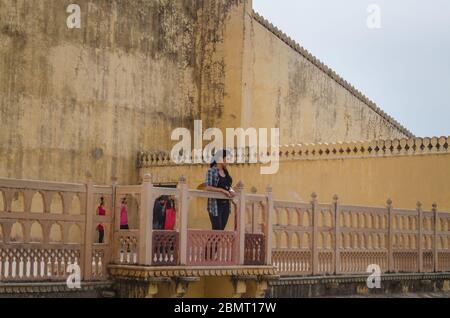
column 101, row 211
column 123, row 215
column 170, row 218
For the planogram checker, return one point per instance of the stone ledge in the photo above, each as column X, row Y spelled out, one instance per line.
column 286, row 280
column 50, row 287
column 144, row 273
column 330, row 151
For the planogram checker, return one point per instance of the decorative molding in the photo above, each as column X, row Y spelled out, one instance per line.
column 39, row 288
column 286, row 280
column 328, row 151
column 328, row 71
column 144, row 273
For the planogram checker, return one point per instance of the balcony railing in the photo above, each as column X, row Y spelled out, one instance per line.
column 255, row 249
column 47, row 228
column 211, row 248
column 165, row 248
column 189, row 246
column 332, row 239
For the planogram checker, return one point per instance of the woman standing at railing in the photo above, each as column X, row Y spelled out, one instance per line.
column 219, row 180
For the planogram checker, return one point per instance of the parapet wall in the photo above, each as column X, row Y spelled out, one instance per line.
column 340, row 150
column 364, row 173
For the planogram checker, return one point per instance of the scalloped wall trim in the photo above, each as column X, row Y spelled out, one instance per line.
column 347, row 150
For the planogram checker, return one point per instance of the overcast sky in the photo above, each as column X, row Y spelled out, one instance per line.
column 404, row 66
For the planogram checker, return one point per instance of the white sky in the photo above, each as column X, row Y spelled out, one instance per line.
column 404, row 67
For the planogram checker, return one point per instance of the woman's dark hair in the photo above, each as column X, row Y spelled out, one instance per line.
column 222, row 154
column 219, row 155
column 229, row 178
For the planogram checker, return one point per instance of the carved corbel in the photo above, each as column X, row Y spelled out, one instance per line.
column 239, row 288
column 182, row 285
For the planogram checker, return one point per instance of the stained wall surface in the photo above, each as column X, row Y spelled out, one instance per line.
column 78, row 101
column 85, row 101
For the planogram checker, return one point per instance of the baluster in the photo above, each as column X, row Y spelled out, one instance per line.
column 28, row 266
column 93, row 265
column 100, row 267
column 35, row 267
column 121, row 250
column 42, row 267
column 128, row 255
column 135, row 251
column 13, row 267
column 49, row 264
column 6, row 266
column 69, row 263
column 63, row 264
column 55, row 265
column 21, row 267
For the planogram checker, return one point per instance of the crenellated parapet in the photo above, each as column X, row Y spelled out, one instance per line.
column 340, row 150
column 331, row 73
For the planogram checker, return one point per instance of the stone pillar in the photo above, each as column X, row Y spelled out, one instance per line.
column 420, row 238
column 239, row 288
column 269, row 226
column 146, row 222
column 391, row 235
column 337, row 234
column 254, row 214
column 184, row 218
column 435, row 239
column 315, row 252
column 88, row 230
column 240, row 224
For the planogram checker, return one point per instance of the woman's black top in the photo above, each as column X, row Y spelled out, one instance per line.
column 224, row 183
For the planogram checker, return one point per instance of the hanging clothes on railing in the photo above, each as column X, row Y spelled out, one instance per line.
column 170, row 215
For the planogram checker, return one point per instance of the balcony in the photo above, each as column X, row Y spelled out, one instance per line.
column 244, row 244
column 51, row 230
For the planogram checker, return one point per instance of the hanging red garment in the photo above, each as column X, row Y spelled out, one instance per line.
column 170, row 216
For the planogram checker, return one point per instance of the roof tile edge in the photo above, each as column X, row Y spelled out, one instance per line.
column 327, row 70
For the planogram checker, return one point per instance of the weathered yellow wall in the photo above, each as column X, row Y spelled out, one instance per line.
column 307, row 104
column 368, row 181
column 87, row 100
column 73, row 101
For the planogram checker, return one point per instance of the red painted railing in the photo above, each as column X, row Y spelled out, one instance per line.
column 206, row 248
column 255, row 249
column 165, row 248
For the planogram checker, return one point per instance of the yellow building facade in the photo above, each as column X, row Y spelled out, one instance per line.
column 89, row 99
column 99, row 104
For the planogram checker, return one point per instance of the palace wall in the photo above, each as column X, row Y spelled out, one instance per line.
column 74, row 101
column 310, row 103
column 366, row 176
